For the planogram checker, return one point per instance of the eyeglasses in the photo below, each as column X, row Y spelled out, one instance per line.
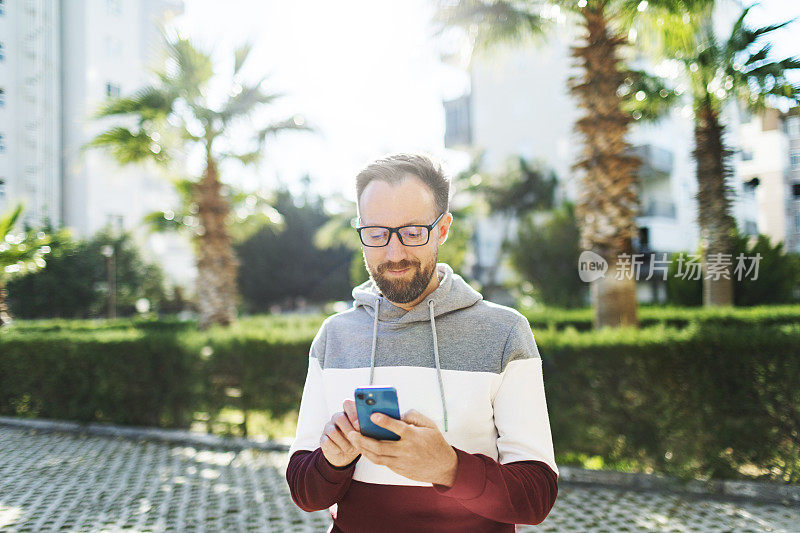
column 410, row 235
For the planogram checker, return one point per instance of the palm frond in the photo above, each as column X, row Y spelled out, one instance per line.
column 294, row 123
column 490, row 22
column 149, row 103
column 163, row 222
column 189, row 69
column 240, row 56
column 647, row 97
column 245, row 101
column 8, row 221
column 128, row 147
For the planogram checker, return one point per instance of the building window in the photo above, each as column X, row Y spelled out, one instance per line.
column 2, row 52
column 2, row 144
column 2, row 8
column 794, row 159
column 793, row 126
column 458, row 128
column 2, row 189
column 796, row 190
column 112, row 90
column 2, row 97
column 797, row 221
column 750, row 227
column 747, row 154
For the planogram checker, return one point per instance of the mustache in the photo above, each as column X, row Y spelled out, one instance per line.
column 402, row 265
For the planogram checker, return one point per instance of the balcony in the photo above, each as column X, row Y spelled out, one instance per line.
column 658, row 208
column 656, row 162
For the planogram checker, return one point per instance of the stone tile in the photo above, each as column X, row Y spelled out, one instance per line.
column 68, row 482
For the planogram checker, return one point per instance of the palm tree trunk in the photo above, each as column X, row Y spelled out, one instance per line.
column 717, row 226
column 608, row 202
column 216, row 261
column 5, row 313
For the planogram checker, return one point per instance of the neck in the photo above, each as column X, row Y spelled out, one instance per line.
column 432, row 286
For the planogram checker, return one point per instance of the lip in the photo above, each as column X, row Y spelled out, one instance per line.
column 398, row 272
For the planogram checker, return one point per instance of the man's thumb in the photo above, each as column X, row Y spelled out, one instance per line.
column 416, row 418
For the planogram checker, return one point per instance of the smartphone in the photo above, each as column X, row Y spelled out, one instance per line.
column 376, row 400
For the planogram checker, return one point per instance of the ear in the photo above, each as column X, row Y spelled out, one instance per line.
column 444, row 227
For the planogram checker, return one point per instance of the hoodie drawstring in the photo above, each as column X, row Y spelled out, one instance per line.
column 438, row 367
column 374, row 340
column 435, row 354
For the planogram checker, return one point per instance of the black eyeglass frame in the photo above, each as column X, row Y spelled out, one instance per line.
column 397, row 230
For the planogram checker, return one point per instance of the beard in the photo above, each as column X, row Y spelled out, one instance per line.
column 402, row 289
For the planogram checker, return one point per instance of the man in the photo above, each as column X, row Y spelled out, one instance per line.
column 475, row 452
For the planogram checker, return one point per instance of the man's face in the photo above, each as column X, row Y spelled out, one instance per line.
column 409, row 202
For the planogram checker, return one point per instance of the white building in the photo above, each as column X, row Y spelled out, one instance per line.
column 519, row 104
column 770, row 164
column 30, row 109
column 60, row 61
column 108, row 49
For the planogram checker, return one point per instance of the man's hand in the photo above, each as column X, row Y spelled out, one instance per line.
column 421, row 454
column 336, row 446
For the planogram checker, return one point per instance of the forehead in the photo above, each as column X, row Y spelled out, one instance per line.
column 409, row 202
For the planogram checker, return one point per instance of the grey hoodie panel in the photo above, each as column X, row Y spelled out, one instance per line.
column 469, row 340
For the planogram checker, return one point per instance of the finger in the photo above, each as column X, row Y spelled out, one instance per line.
column 387, row 448
column 392, row 424
column 341, row 441
column 329, row 445
column 342, row 421
column 349, row 407
column 377, row 458
column 412, row 416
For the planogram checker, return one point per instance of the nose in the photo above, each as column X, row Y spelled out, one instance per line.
column 395, row 251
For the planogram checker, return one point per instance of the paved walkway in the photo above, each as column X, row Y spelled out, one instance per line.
column 68, row 482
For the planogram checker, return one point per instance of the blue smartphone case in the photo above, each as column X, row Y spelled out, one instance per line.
column 376, row 400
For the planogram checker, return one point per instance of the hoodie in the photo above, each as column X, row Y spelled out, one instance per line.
column 470, row 365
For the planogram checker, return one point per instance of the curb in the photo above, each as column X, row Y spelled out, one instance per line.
column 750, row 491
column 141, row 433
column 729, row 490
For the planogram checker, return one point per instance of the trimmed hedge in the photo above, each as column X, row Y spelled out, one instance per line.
column 699, row 401
column 678, row 317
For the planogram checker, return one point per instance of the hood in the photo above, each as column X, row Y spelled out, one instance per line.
column 452, row 293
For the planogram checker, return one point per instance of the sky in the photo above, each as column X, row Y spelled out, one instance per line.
column 366, row 74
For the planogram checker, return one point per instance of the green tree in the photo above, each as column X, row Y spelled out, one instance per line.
column 73, row 284
column 281, row 265
column 20, row 253
column 738, row 68
column 175, row 115
column 546, row 254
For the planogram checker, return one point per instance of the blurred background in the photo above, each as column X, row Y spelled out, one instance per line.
column 177, row 188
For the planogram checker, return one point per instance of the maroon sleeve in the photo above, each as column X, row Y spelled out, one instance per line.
column 314, row 483
column 521, row 492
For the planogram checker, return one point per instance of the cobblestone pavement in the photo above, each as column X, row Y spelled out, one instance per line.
column 69, row 482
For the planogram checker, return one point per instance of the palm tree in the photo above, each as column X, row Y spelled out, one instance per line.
column 738, row 69
column 20, row 253
column 176, row 114
column 608, row 204
column 249, row 212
